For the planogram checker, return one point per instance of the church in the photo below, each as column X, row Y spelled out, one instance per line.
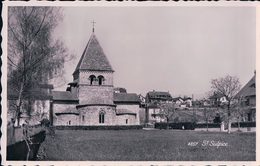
column 91, row 99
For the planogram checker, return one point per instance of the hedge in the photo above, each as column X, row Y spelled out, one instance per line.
column 244, row 124
column 181, row 126
column 210, row 125
column 192, row 126
column 98, row 127
column 234, row 124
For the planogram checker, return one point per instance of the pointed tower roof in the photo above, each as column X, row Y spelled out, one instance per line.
column 93, row 57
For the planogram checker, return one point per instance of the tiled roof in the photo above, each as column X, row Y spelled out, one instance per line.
column 63, row 96
column 120, row 90
column 177, row 98
column 75, row 82
column 93, row 57
column 126, row 97
column 67, row 110
column 159, row 95
column 248, row 89
column 124, row 111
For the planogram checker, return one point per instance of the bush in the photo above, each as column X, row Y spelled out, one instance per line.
column 217, row 119
column 45, row 122
column 98, row 127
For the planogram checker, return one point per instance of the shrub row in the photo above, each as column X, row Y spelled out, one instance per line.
column 181, row 126
column 192, row 126
column 98, row 127
column 244, row 124
column 210, row 125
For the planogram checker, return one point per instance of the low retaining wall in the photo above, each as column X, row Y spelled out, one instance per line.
column 130, row 127
column 19, row 150
column 15, row 134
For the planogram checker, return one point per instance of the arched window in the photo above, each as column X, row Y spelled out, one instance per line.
column 92, row 78
column 100, row 80
column 101, row 117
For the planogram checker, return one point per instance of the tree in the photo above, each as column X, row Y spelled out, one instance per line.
column 208, row 114
column 167, row 111
column 34, row 56
column 227, row 87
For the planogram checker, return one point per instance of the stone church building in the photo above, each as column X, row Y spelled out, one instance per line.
column 90, row 98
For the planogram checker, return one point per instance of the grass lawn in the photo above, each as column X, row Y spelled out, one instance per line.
column 148, row 145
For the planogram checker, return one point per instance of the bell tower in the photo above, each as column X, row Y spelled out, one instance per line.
column 94, row 75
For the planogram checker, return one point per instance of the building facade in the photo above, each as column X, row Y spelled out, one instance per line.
column 35, row 104
column 247, row 100
column 154, row 112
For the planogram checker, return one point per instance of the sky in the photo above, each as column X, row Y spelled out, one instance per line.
column 175, row 49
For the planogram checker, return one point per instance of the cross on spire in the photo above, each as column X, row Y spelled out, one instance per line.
column 93, row 25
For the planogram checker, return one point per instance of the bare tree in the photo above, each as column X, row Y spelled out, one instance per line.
column 167, row 111
column 34, row 56
column 208, row 114
column 228, row 87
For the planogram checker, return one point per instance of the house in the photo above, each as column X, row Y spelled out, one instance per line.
column 178, row 101
column 35, row 106
column 91, row 99
column 153, row 100
column 247, row 99
column 185, row 102
column 217, row 100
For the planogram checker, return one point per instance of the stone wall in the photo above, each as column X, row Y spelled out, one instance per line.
column 91, row 115
column 66, row 119
column 63, row 114
column 132, row 119
column 84, row 77
column 127, row 120
column 95, row 94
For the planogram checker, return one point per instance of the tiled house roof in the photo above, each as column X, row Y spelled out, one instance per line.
column 177, row 98
column 158, row 95
column 125, row 111
column 63, row 96
column 93, row 57
column 126, row 98
column 248, row 89
column 68, row 110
